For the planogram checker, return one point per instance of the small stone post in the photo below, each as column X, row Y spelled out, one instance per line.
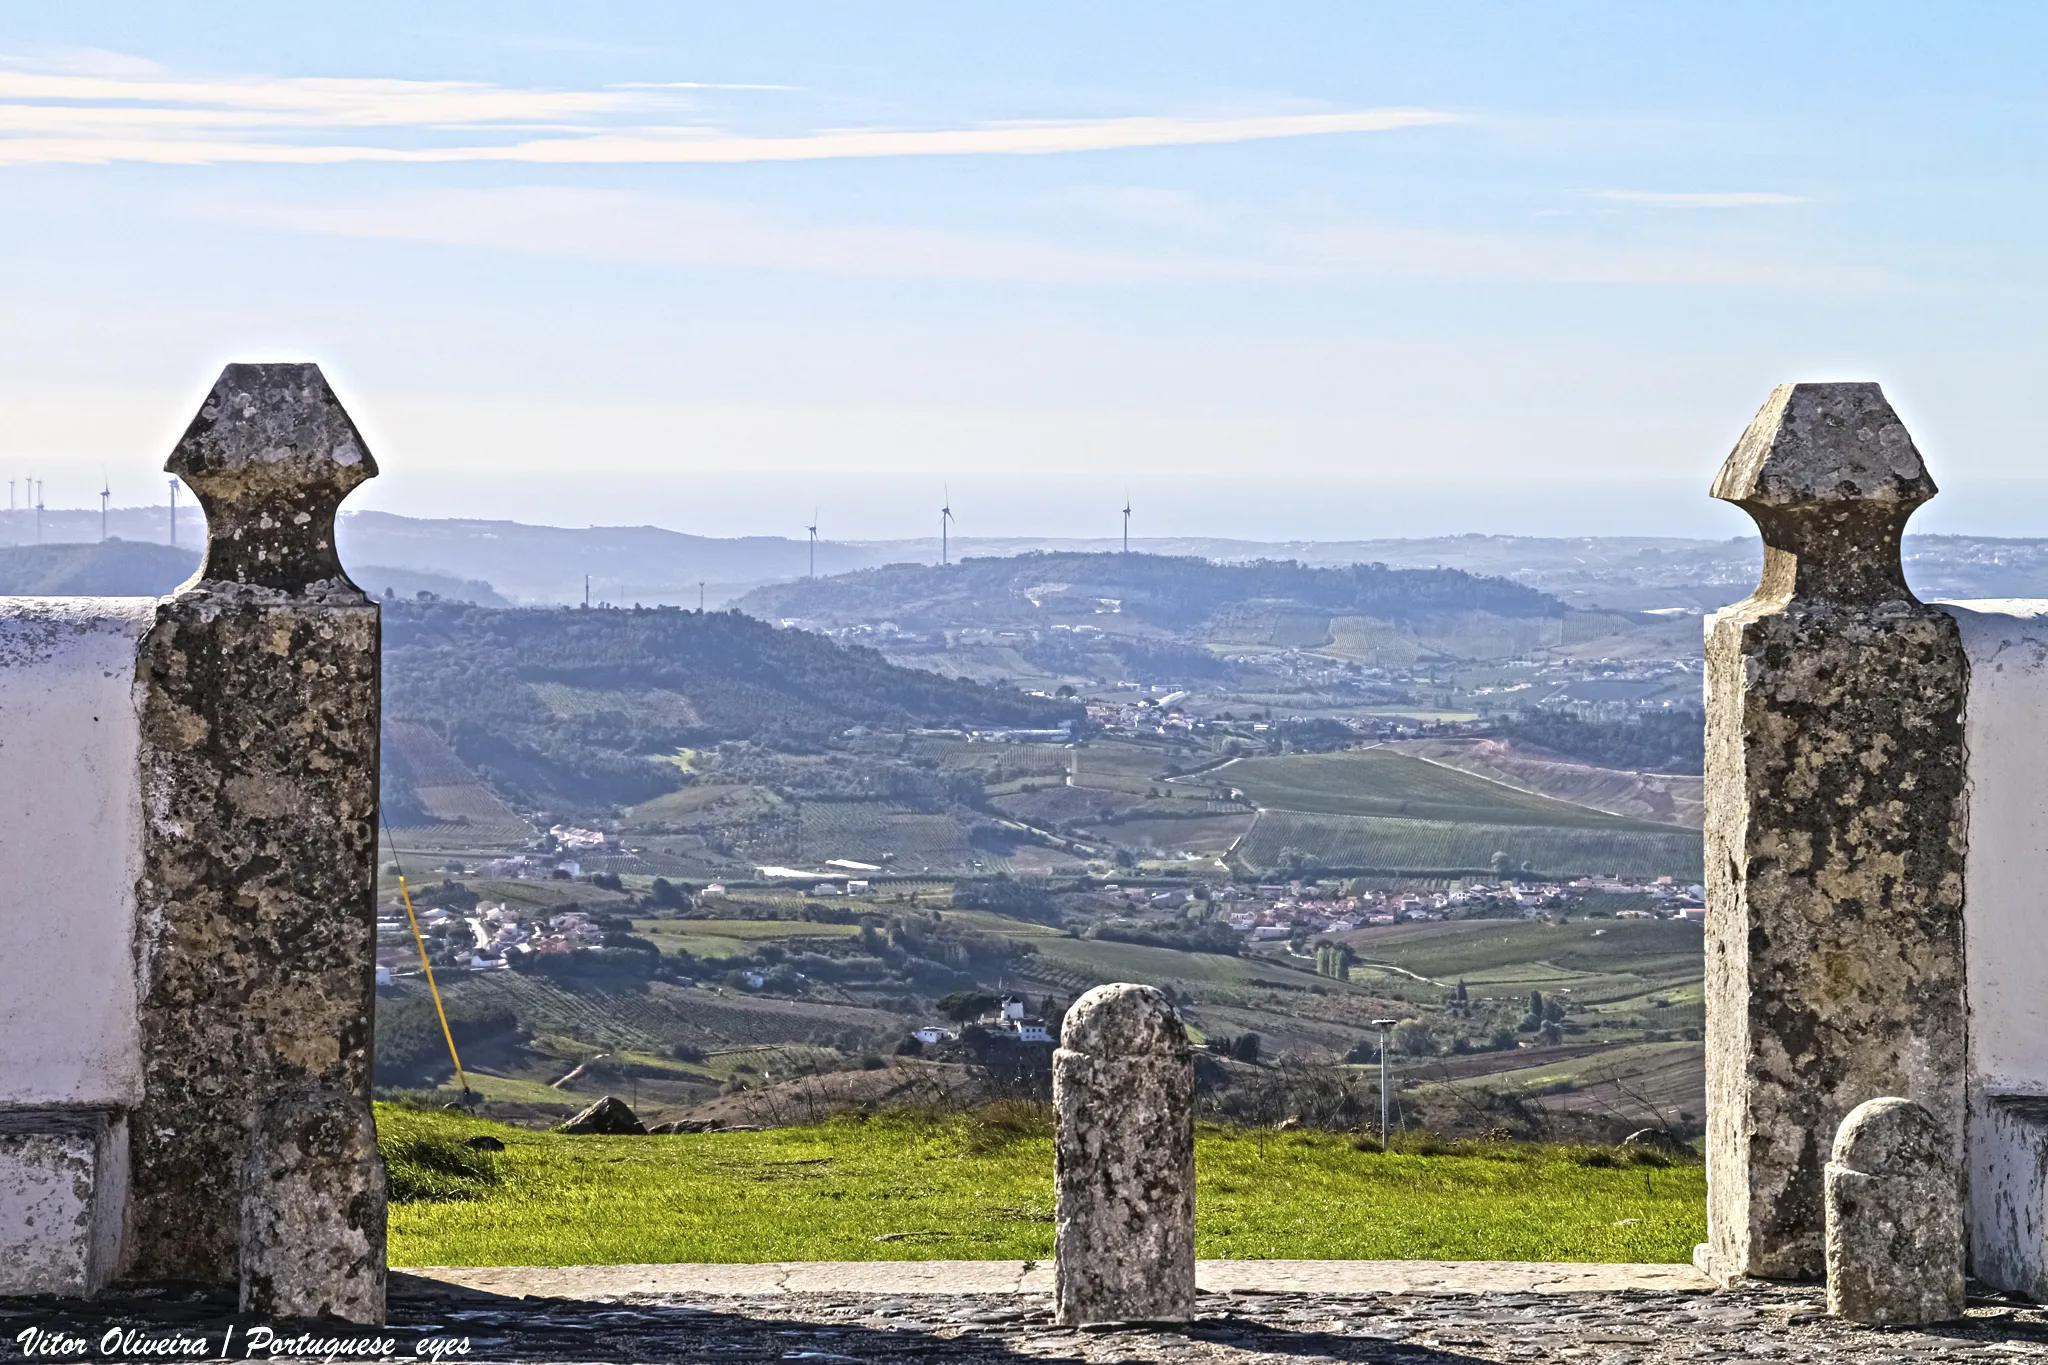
column 253, row 1152
column 1835, row 825
column 1123, row 1084
column 1895, row 1217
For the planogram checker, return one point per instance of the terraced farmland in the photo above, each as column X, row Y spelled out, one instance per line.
column 1443, row 848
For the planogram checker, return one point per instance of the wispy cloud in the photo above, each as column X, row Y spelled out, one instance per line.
column 1266, row 247
column 53, row 116
column 680, row 230
column 1739, row 199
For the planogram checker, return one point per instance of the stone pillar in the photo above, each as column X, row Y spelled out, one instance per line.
column 1835, row 835
column 1894, row 1216
column 1123, row 1084
column 257, row 896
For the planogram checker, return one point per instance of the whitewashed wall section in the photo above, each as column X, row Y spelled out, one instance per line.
column 71, row 843
column 2005, row 925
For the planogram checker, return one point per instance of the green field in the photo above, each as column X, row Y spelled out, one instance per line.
column 1506, row 949
column 1446, row 848
column 901, row 838
column 1383, row 782
column 973, row 1187
column 733, row 937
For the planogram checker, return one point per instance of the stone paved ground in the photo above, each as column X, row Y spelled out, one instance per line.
column 1626, row 1327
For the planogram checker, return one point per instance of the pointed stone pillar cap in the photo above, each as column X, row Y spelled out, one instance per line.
column 271, row 455
column 1814, row 444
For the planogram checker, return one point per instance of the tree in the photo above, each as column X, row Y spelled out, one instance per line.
column 1464, row 997
column 1413, row 1037
column 962, row 1006
column 1245, row 1047
column 664, row 894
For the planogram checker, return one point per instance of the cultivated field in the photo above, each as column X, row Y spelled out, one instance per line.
column 1382, row 781
column 898, row 837
column 1442, row 848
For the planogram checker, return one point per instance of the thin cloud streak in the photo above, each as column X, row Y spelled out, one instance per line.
column 1273, row 249
column 1747, row 199
column 705, row 146
column 71, row 119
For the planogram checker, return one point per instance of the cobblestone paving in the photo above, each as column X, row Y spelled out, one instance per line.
column 1632, row 1328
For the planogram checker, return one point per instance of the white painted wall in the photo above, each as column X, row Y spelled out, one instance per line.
column 2005, row 930
column 70, row 849
column 2005, row 917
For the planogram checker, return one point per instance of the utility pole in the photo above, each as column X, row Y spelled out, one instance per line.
column 1383, row 1025
column 586, row 592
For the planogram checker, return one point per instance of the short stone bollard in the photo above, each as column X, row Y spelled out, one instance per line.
column 1123, row 1084
column 1894, row 1217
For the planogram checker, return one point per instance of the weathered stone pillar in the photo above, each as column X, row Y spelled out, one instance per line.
column 257, row 896
column 1895, row 1216
column 1835, row 825
column 1123, row 1083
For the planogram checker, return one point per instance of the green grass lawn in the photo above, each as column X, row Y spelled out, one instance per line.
column 975, row 1187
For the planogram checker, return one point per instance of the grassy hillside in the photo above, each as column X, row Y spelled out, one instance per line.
column 568, row 708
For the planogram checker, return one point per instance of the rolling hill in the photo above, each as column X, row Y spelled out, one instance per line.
column 575, row 709
column 1175, row 595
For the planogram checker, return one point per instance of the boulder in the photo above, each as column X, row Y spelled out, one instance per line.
column 484, row 1142
column 609, row 1117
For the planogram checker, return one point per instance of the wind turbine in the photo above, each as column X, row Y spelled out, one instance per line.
column 106, row 491
column 813, row 529
column 1127, row 521
column 39, row 511
column 174, row 513
column 945, row 520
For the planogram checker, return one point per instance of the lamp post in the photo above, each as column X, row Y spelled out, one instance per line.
column 1383, row 1025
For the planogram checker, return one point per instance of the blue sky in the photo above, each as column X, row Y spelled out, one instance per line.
column 1299, row 270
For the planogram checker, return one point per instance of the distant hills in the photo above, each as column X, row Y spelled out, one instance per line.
column 566, row 708
column 116, row 568
column 128, row 568
column 535, row 565
column 1171, row 593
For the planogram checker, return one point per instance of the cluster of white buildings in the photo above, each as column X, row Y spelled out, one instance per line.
column 497, row 934
column 1012, row 1019
column 1277, row 911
